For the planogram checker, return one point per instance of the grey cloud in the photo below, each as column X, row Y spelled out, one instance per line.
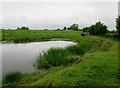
column 57, row 15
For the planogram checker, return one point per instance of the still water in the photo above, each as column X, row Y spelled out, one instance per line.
column 20, row 57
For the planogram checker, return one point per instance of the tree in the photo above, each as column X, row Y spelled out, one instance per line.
column 118, row 25
column 92, row 29
column 86, row 29
column 74, row 27
column 24, row 28
column 18, row 28
column 98, row 29
column 65, row 28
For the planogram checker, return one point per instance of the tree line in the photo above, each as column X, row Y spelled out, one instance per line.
column 98, row 28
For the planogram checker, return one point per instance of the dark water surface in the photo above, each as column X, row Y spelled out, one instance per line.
column 20, row 57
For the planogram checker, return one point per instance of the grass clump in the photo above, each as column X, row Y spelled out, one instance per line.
column 80, row 49
column 56, row 57
column 102, row 45
column 53, row 57
column 12, row 77
column 75, row 50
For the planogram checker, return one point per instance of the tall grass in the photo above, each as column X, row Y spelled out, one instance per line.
column 54, row 57
column 60, row 56
column 64, row 56
column 81, row 48
column 12, row 77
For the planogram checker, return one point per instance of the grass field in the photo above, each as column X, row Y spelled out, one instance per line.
column 97, row 67
column 21, row 36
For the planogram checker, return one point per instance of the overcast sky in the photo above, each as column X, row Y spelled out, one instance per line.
column 42, row 15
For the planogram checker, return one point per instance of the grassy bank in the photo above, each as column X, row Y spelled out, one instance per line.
column 97, row 66
column 21, row 36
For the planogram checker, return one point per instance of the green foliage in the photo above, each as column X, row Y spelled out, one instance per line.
column 97, row 68
column 23, row 28
column 74, row 27
column 22, row 36
column 86, row 29
column 102, row 45
column 80, row 49
column 118, row 25
column 98, row 29
column 54, row 57
column 76, row 50
column 12, row 77
column 65, row 28
column 112, row 31
column 64, row 56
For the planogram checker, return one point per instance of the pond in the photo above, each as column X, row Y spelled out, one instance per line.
column 20, row 57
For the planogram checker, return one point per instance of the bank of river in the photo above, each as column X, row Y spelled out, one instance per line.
column 21, row 56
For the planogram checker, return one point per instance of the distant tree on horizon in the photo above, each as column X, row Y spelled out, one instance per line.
column 97, row 29
column 65, row 28
column 18, row 28
column 86, row 29
column 118, row 25
column 100, row 28
column 23, row 28
column 74, row 27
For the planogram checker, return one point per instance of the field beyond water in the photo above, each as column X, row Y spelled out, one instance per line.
column 97, row 66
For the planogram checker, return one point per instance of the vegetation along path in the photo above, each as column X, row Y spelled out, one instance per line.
column 98, row 67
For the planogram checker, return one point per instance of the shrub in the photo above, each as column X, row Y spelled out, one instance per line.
column 12, row 77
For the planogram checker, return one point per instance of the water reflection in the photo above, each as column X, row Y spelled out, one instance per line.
column 20, row 57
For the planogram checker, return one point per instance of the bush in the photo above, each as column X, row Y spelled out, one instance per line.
column 12, row 77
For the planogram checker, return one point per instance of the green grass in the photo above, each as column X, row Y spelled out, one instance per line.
column 64, row 56
column 55, row 57
column 12, row 77
column 0, row 35
column 98, row 65
column 21, row 36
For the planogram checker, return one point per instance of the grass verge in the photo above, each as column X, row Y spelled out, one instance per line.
column 99, row 65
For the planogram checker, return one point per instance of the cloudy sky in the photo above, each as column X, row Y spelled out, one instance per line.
column 52, row 15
